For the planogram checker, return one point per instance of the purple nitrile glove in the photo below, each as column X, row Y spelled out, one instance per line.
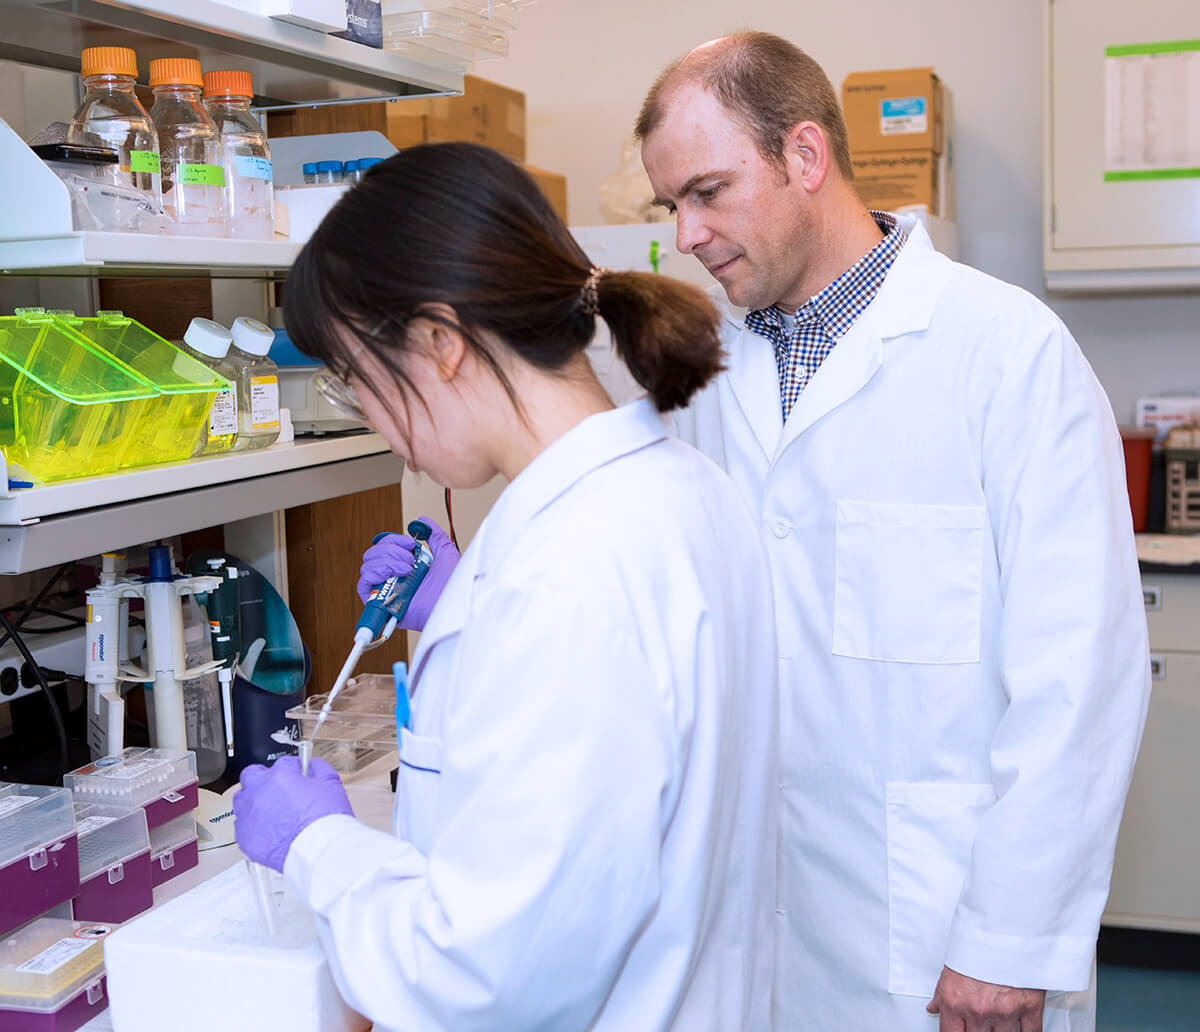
column 392, row 557
column 276, row 803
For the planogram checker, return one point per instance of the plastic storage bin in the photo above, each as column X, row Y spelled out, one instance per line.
column 39, row 856
column 52, row 976
column 162, row 782
column 174, row 848
column 361, row 726
column 449, row 32
column 114, row 862
column 171, row 428
column 67, row 408
column 259, row 980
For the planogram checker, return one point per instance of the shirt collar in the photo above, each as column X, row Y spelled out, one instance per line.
column 837, row 306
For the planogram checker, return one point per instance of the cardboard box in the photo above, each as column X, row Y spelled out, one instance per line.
column 887, row 180
column 1166, row 412
column 486, row 113
column 900, row 109
column 554, row 186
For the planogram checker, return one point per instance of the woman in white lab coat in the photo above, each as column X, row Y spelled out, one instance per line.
column 585, row 818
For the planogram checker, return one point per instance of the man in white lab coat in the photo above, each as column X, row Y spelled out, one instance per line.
column 962, row 643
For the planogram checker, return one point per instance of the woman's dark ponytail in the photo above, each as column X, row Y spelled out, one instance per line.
column 665, row 330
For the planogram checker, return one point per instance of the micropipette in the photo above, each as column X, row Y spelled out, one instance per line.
column 386, row 606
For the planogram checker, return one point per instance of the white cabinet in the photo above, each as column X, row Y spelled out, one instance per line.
column 1122, row 145
column 1156, row 876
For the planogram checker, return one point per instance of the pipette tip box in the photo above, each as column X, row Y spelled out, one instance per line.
column 162, row 782
column 39, row 853
column 115, row 881
column 174, row 848
column 52, row 975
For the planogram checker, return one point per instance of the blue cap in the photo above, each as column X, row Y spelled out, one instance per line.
column 368, row 162
column 349, row 166
column 160, row 563
column 308, row 167
column 329, row 166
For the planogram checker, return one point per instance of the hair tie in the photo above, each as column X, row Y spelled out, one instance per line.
column 589, row 296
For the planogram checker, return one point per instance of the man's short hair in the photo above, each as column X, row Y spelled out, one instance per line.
column 768, row 84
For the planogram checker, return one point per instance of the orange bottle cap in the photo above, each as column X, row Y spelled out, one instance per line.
column 108, row 61
column 228, row 84
column 166, row 71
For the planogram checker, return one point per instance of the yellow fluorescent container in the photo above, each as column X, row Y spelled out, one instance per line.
column 66, row 407
column 174, row 427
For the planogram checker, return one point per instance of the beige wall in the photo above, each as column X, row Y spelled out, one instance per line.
column 585, row 65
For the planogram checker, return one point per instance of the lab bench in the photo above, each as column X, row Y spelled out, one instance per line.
column 1155, row 883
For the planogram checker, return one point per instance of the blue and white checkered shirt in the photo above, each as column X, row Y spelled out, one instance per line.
column 826, row 317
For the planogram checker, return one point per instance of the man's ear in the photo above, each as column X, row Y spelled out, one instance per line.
column 806, row 154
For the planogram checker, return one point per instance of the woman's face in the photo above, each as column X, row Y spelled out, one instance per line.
column 441, row 437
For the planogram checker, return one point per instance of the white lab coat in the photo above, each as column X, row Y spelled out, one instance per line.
column 962, row 646
column 587, row 804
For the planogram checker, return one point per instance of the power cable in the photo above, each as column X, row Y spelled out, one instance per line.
column 33, row 603
column 56, row 714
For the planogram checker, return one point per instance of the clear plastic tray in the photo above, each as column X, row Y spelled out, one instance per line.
column 360, row 727
column 32, row 817
column 500, row 14
column 447, row 32
column 48, row 962
column 133, row 777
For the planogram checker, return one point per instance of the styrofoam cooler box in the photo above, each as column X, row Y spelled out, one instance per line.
column 270, row 981
column 163, row 782
column 114, row 862
column 52, row 975
column 174, row 848
column 39, row 855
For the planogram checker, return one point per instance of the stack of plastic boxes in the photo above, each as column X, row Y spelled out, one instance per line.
column 455, row 32
column 52, row 969
column 162, row 783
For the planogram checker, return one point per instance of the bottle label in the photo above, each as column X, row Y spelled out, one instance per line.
column 264, row 402
column 249, row 167
column 145, row 161
column 187, row 174
column 222, row 417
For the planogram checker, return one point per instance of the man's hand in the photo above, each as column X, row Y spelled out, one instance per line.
column 966, row 1005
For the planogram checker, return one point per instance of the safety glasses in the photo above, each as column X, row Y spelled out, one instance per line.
column 340, row 395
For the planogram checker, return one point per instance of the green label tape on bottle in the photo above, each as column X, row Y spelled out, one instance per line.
column 145, row 161
column 199, row 175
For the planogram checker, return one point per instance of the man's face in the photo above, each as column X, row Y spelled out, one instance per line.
column 734, row 210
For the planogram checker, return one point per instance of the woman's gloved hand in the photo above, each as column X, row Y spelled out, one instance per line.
column 392, row 556
column 276, row 803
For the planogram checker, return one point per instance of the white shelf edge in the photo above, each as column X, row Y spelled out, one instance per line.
column 23, row 506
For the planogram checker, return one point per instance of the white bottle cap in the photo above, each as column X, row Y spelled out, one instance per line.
column 251, row 336
column 208, row 337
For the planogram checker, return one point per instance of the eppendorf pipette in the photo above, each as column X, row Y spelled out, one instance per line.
column 385, row 607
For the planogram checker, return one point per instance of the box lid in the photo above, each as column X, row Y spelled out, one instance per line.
column 48, row 962
column 109, row 835
column 32, row 817
column 132, row 777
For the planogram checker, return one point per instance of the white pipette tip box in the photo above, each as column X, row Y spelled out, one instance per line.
column 39, row 853
column 162, row 782
column 52, row 975
column 114, row 862
column 261, row 979
column 174, row 848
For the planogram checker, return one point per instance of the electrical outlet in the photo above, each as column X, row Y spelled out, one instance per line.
column 61, row 650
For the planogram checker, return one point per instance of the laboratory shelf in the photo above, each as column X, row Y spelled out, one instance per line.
column 94, row 253
column 292, row 66
column 55, row 523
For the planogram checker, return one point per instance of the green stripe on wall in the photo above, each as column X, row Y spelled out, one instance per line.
column 1174, row 47
column 1152, row 173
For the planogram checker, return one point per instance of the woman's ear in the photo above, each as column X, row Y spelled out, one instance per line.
column 443, row 344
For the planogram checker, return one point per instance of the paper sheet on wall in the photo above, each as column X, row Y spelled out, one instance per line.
column 1152, row 111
